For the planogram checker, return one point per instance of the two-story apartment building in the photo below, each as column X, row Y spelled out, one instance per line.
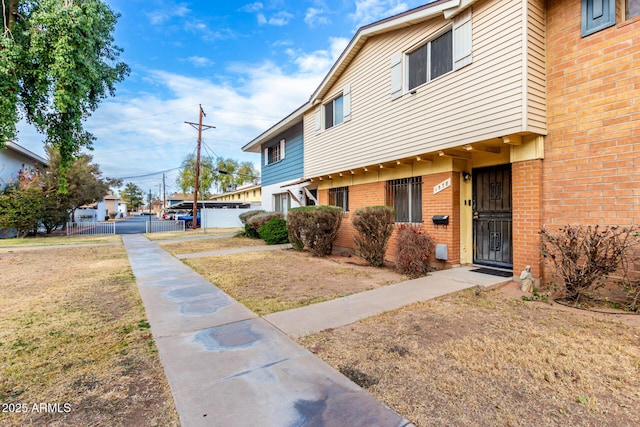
column 501, row 115
column 282, row 167
column 249, row 193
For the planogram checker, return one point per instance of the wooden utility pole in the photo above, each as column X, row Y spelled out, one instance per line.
column 200, row 127
column 164, row 192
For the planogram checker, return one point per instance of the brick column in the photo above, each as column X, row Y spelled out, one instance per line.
column 527, row 215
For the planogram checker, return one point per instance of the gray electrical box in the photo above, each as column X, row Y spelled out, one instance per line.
column 442, row 252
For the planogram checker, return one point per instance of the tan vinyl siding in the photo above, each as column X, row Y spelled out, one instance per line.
column 481, row 101
column 536, row 68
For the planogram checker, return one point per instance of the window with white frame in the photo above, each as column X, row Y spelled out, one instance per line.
column 334, row 112
column 282, row 202
column 274, row 153
column 448, row 50
column 405, row 196
column 339, row 197
column 430, row 61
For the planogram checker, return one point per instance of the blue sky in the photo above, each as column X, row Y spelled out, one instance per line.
column 248, row 63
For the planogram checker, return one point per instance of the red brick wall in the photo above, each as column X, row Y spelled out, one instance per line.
column 447, row 202
column 591, row 169
column 526, row 180
column 592, row 155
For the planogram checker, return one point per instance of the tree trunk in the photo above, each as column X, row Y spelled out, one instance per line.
column 9, row 14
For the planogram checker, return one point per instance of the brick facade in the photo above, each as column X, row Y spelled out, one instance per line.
column 592, row 153
column 446, row 202
column 526, row 180
column 591, row 172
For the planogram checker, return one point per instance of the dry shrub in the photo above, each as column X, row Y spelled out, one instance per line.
column 244, row 217
column 374, row 225
column 583, row 258
column 256, row 221
column 314, row 228
column 415, row 249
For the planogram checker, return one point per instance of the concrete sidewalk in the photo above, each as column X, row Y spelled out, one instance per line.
column 343, row 311
column 227, row 367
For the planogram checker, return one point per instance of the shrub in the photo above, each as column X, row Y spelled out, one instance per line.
column 374, row 226
column 274, row 232
column 415, row 249
column 314, row 228
column 244, row 217
column 256, row 221
column 584, row 257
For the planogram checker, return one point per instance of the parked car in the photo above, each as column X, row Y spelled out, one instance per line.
column 188, row 219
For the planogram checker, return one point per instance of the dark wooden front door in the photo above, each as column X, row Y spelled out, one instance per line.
column 492, row 213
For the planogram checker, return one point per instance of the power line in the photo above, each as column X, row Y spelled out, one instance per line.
column 149, row 174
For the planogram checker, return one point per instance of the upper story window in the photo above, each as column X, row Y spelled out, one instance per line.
column 274, row 153
column 444, row 52
column 339, row 197
column 430, row 61
column 335, row 111
column 632, row 9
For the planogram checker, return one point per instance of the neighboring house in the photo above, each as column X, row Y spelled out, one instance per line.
column 15, row 160
column 484, row 115
column 177, row 198
column 112, row 206
column 282, row 168
column 251, row 193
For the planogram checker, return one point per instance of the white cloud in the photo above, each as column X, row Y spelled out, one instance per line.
column 369, row 11
column 160, row 16
column 278, row 19
column 142, row 133
column 206, row 33
column 252, row 7
column 321, row 59
column 315, row 17
column 200, row 61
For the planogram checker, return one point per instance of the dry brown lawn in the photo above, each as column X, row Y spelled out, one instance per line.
column 489, row 358
column 73, row 331
column 270, row 281
column 212, row 244
column 195, row 234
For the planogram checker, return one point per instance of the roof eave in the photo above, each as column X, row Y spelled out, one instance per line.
column 405, row 19
column 292, row 119
column 27, row 153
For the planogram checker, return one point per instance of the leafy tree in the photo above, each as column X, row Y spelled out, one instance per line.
column 58, row 60
column 230, row 174
column 187, row 176
column 133, row 195
column 85, row 185
column 22, row 207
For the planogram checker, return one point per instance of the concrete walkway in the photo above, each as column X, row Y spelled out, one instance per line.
column 343, row 311
column 228, row 367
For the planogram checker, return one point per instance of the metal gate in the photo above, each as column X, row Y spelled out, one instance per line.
column 92, row 228
column 492, row 217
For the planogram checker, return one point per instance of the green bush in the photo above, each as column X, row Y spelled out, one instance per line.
column 314, row 228
column 244, row 217
column 256, row 221
column 414, row 252
column 274, row 232
column 374, row 225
